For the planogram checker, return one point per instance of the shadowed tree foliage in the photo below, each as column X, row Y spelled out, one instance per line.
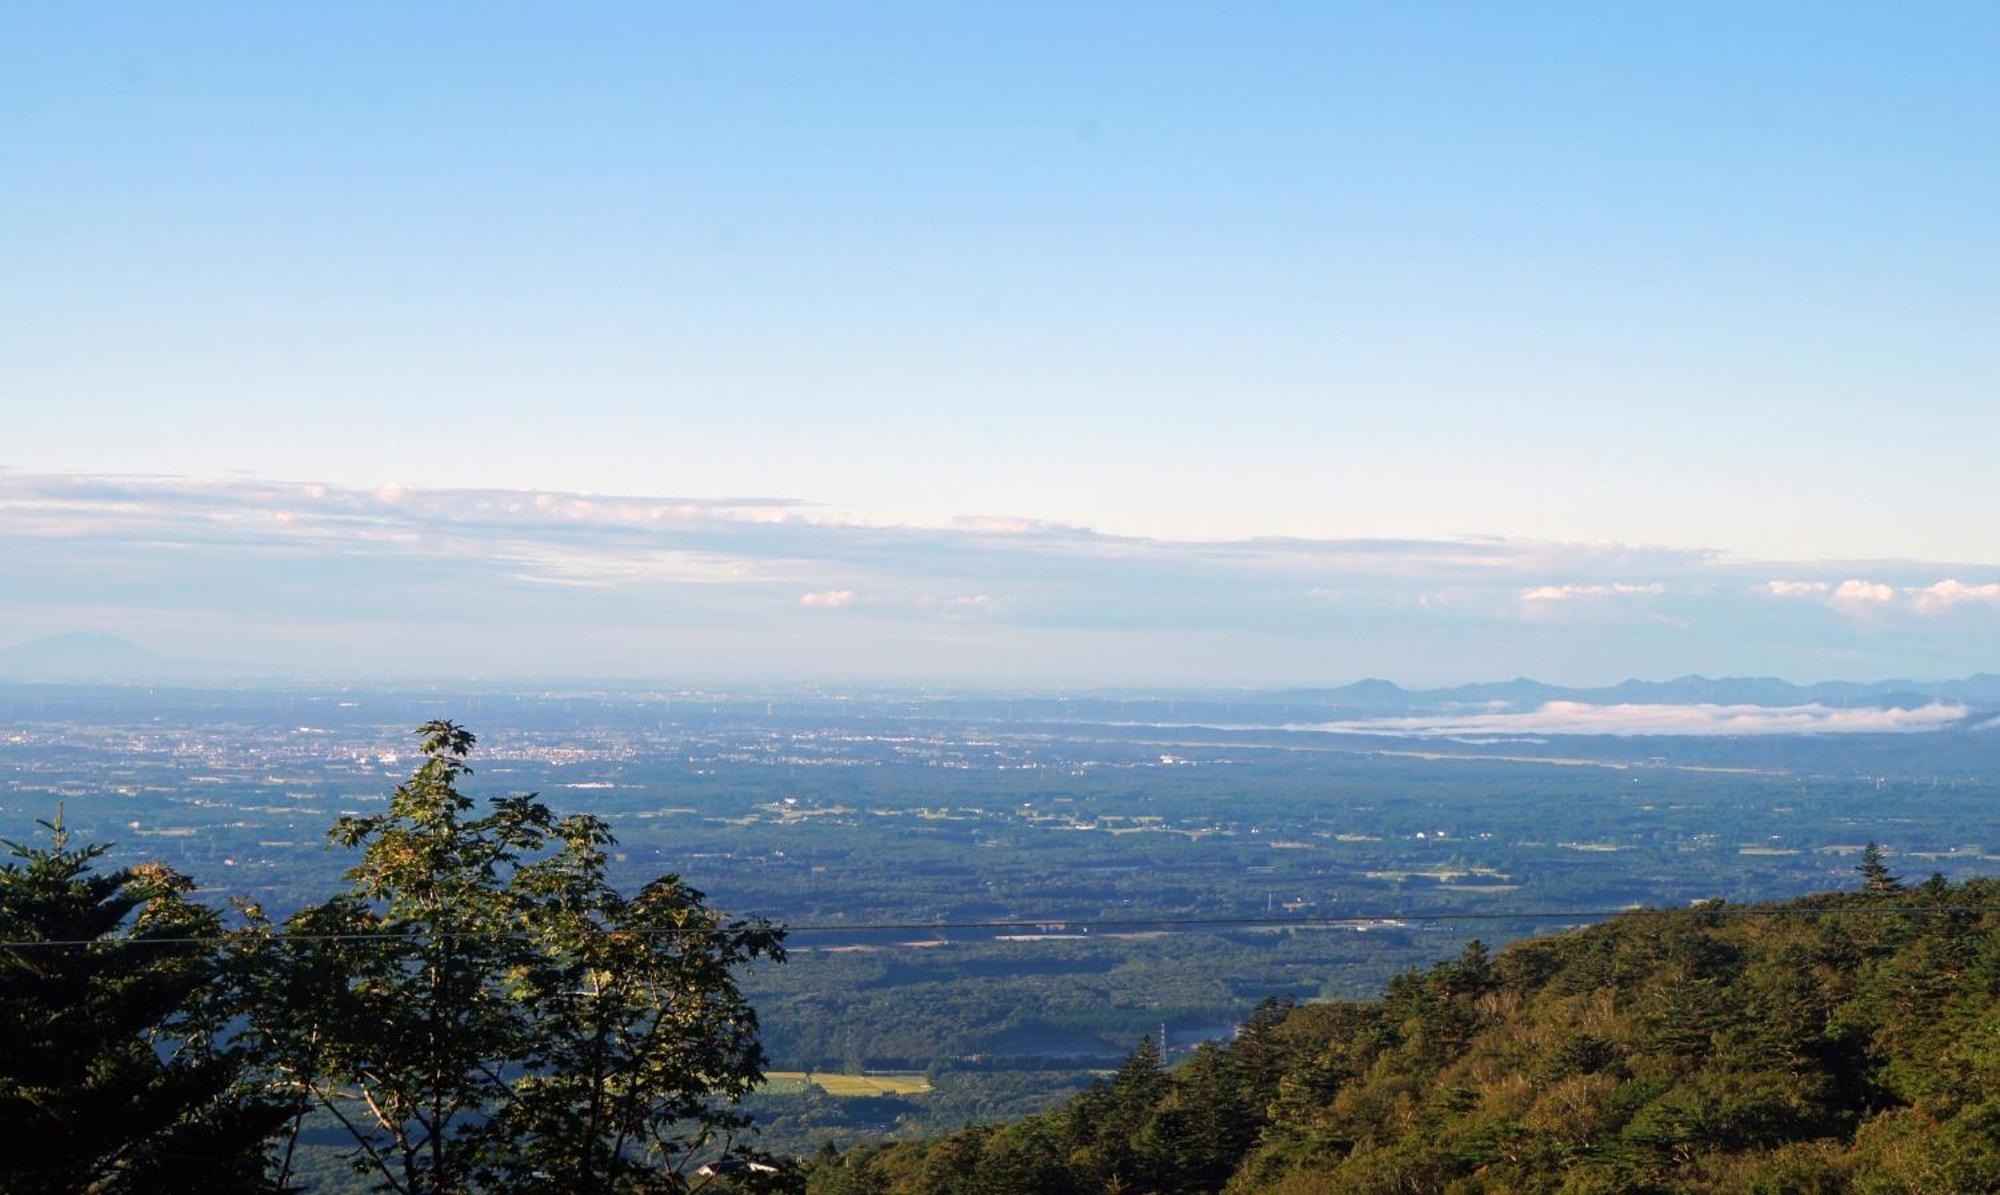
column 1843, row 1042
column 114, row 1075
column 482, row 1011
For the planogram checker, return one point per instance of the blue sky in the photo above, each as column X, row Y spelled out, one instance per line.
column 1615, row 284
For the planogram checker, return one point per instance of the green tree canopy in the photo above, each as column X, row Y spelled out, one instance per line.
column 1826, row 1044
column 114, row 1075
column 1875, row 877
column 482, row 1010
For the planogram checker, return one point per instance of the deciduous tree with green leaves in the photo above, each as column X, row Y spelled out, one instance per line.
column 482, row 1011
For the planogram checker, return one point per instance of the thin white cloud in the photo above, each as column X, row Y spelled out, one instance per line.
column 1312, row 609
column 1796, row 589
column 1571, row 717
column 1943, row 595
column 1566, row 593
column 624, row 539
column 1005, row 525
column 1865, row 597
column 1862, row 594
column 958, row 606
column 1852, row 596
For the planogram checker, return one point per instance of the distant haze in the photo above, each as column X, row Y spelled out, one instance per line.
column 284, row 578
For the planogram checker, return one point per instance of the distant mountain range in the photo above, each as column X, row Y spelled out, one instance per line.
column 90, row 657
column 87, row 657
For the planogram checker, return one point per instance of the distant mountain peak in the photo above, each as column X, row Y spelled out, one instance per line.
column 1374, row 684
column 1377, row 695
column 92, row 640
column 83, row 656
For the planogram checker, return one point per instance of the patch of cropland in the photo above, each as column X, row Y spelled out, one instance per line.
column 867, row 1085
column 1007, row 907
column 1839, row 1042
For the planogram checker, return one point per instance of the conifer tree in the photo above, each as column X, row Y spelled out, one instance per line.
column 114, row 1075
column 1875, row 877
column 1137, row 1085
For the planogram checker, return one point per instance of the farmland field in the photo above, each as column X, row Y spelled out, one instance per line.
column 796, row 1082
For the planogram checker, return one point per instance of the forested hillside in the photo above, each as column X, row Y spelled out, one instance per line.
column 1839, row 1042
